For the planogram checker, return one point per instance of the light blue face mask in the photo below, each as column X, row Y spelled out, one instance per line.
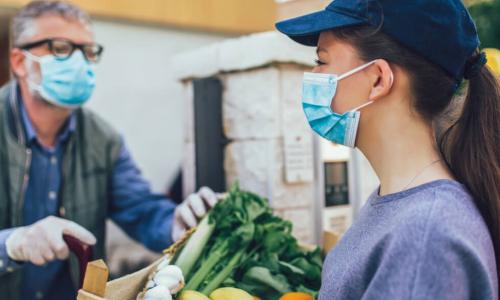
column 318, row 91
column 68, row 83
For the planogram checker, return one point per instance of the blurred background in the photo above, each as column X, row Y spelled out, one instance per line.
column 218, row 90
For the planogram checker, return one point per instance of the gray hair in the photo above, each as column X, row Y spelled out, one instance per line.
column 23, row 26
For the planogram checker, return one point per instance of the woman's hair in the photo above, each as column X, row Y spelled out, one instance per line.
column 470, row 145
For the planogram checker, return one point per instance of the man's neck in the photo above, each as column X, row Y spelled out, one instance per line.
column 47, row 120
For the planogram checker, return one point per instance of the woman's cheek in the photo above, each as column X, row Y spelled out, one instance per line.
column 336, row 106
column 339, row 102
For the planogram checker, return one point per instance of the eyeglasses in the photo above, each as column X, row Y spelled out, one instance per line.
column 63, row 49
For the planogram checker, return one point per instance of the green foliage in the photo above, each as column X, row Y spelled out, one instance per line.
column 487, row 17
column 247, row 247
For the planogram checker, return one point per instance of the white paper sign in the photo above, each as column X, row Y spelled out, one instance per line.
column 298, row 158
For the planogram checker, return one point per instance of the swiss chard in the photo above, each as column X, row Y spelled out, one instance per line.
column 242, row 244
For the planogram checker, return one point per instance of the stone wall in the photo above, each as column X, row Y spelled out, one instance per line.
column 259, row 107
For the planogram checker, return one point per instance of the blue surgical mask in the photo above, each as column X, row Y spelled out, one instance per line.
column 67, row 83
column 318, row 92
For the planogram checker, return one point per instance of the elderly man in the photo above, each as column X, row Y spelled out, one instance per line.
column 65, row 170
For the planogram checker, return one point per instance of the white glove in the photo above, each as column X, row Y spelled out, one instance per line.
column 191, row 210
column 43, row 242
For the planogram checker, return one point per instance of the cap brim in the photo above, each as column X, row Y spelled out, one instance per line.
column 306, row 29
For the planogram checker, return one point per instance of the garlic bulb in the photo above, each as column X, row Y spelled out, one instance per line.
column 158, row 293
column 170, row 277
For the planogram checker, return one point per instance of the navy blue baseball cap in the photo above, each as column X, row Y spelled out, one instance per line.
column 441, row 31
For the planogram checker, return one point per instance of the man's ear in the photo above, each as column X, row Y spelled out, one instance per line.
column 17, row 64
column 383, row 79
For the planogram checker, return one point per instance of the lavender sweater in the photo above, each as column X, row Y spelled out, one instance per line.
column 428, row 242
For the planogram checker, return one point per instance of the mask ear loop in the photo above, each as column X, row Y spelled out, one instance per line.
column 35, row 86
column 362, row 106
column 31, row 56
column 347, row 74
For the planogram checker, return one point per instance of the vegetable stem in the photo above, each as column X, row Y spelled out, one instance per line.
column 223, row 274
column 194, row 247
column 207, row 266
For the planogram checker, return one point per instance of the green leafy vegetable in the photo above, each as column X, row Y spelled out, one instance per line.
column 263, row 276
column 242, row 244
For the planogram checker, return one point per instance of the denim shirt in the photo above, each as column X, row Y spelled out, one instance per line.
column 145, row 216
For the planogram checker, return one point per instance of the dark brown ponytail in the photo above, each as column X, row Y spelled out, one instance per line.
column 471, row 145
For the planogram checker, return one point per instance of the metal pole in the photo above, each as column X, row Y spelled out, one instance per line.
column 319, row 191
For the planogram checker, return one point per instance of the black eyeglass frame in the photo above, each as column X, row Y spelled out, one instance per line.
column 74, row 46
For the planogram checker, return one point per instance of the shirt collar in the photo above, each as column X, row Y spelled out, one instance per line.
column 31, row 135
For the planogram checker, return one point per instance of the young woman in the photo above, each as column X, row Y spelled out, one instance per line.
column 386, row 72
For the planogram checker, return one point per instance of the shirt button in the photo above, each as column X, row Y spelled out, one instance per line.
column 10, row 269
column 53, row 160
column 62, row 211
column 39, row 295
column 1, row 263
column 52, row 195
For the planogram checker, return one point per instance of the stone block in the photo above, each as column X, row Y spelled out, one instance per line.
column 251, row 104
column 252, row 164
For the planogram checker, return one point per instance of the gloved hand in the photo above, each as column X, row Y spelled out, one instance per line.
column 43, row 242
column 191, row 210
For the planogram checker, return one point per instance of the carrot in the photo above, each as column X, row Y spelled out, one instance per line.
column 296, row 296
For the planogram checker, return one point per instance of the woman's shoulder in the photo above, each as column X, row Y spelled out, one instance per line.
column 437, row 214
column 456, row 241
column 448, row 219
column 424, row 241
column 438, row 239
column 443, row 201
column 450, row 206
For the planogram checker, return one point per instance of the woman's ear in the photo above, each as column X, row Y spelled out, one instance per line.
column 383, row 79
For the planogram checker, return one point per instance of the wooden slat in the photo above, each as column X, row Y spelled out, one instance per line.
column 295, row 8
column 227, row 16
column 83, row 295
column 96, row 278
column 329, row 240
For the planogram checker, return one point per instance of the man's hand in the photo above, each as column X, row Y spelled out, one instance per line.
column 189, row 212
column 43, row 242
